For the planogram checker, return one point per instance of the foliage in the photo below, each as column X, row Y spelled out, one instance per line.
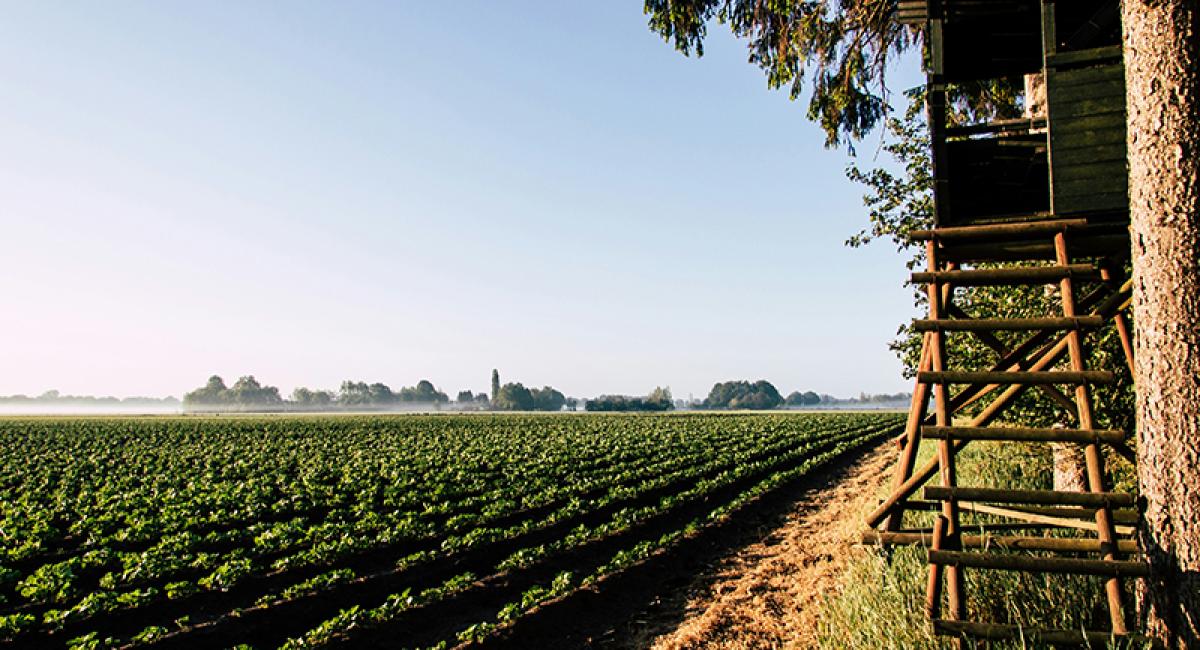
column 659, row 399
column 842, row 46
column 807, row 398
column 743, row 395
column 248, row 394
column 246, row 391
column 515, row 397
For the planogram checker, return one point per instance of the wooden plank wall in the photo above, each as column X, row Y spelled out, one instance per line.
column 1087, row 137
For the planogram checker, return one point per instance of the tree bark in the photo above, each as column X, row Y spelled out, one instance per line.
column 1070, row 470
column 1162, row 58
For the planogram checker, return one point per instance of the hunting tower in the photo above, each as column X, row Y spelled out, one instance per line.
column 1039, row 199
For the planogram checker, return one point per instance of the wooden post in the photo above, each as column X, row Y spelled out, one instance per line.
column 912, row 433
column 946, row 452
column 933, row 591
column 1122, row 323
column 1095, row 462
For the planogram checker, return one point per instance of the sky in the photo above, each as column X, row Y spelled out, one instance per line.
column 310, row 192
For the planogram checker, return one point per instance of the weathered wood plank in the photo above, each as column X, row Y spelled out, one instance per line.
column 1087, row 107
column 1115, row 183
column 1084, row 76
column 1091, row 202
column 1108, row 171
column 1076, row 57
column 1100, row 121
column 1095, row 153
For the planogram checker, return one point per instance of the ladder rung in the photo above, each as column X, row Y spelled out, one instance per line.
column 1121, row 515
column 1023, row 434
column 1016, row 377
column 1020, row 275
column 1037, row 497
column 1014, row 542
column 998, row 631
column 1007, row 562
column 988, row 231
column 1084, row 245
column 1000, row 324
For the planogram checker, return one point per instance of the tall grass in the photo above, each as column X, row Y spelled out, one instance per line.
column 881, row 600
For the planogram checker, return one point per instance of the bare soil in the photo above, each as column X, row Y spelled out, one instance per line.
column 768, row 594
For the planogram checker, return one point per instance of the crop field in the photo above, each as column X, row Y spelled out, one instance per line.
column 407, row 531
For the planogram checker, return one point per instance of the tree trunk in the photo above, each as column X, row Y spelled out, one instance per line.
column 1162, row 58
column 1070, row 469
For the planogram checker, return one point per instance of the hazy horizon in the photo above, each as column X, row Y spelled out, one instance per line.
column 309, row 194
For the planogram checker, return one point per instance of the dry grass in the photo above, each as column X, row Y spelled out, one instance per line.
column 768, row 595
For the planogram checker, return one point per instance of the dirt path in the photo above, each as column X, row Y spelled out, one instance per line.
column 765, row 595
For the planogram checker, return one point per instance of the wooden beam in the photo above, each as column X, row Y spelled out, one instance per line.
column 1018, row 377
column 1012, row 562
column 1038, row 497
column 1003, row 230
column 1023, row 434
column 1012, row 542
column 1032, row 517
column 997, row 631
column 1009, row 276
column 1006, row 324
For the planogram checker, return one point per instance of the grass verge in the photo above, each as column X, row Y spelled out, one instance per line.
column 880, row 601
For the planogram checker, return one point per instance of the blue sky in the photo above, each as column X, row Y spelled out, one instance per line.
column 312, row 192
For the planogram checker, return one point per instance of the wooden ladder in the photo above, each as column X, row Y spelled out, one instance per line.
column 1105, row 517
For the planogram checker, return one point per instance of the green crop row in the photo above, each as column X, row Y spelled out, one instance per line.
column 128, row 532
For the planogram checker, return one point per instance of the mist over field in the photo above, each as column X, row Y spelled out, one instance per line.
column 80, row 408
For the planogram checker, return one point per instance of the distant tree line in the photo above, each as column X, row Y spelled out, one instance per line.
column 53, row 397
column 659, row 399
column 248, row 394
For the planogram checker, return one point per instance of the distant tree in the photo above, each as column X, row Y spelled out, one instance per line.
column 572, row 403
column 214, row 392
column 810, row 398
column 481, row 398
column 423, row 393
column 465, row 396
column 661, row 395
column 354, row 393
column 513, row 397
column 312, row 398
column 246, row 391
column 380, row 394
column 743, row 395
column 547, row 399
column 495, row 384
